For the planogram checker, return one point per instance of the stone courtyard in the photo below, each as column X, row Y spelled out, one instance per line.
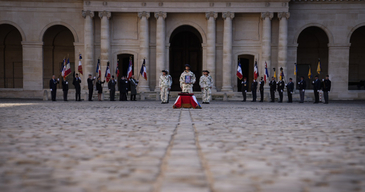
column 145, row 146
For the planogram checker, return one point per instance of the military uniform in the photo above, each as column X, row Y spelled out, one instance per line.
column 254, row 90
column 123, row 84
column 65, row 89
column 262, row 83
column 302, row 86
column 133, row 84
column 244, row 89
column 290, row 89
column 187, row 88
column 326, row 88
column 165, row 84
column 76, row 83
column 316, row 87
column 206, row 83
column 111, row 86
column 272, row 85
column 90, row 86
column 281, row 90
column 53, row 86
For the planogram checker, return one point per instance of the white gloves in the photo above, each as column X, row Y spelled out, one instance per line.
column 94, row 77
column 281, row 90
column 66, row 82
column 291, row 92
column 312, row 81
column 260, row 83
column 322, row 79
column 51, row 89
column 298, row 83
column 303, row 90
column 286, row 84
column 245, row 91
column 58, row 79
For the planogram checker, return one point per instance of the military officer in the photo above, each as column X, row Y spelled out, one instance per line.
column 280, row 90
column 187, row 80
column 134, row 84
column 272, row 85
column 316, row 88
column 244, row 84
column 65, row 88
column 90, row 86
column 165, row 86
column 254, row 90
column 76, row 83
column 290, row 89
column 302, row 86
column 123, row 89
column 262, row 83
column 206, row 84
column 53, row 86
column 111, row 87
column 326, row 89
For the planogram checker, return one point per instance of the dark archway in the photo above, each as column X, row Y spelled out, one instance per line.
column 247, row 65
column 11, row 54
column 185, row 47
column 58, row 43
column 357, row 59
column 123, row 61
column 312, row 45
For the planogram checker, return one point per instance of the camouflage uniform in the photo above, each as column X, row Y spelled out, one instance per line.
column 165, row 84
column 206, row 83
column 187, row 87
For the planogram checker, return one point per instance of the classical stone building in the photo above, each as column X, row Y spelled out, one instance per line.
column 35, row 35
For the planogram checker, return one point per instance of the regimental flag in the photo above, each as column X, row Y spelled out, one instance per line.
column 117, row 69
column 274, row 73
column 267, row 76
column 130, row 72
column 295, row 69
column 98, row 68
column 281, row 74
column 310, row 72
column 255, row 71
column 239, row 71
column 68, row 68
column 80, row 65
column 63, row 68
column 107, row 73
column 319, row 68
column 144, row 70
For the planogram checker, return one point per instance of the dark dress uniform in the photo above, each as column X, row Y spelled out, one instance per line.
column 53, row 86
column 111, row 86
column 290, row 89
column 262, row 82
column 316, row 87
column 76, row 83
column 302, row 86
column 281, row 90
column 272, row 85
column 65, row 89
column 326, row 89
column 134, row 84
column 244, row 89
column 90, row 86
column 254, row 90
column 99, row 86
column 123, row 89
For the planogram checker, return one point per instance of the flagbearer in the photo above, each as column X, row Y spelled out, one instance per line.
column 244, row 89
column 123, row 89
column 65, row 88
column 326, row 88
column 187, row 80
column 133, row 84
column 254, row 90
column 302, row 86
column 90, row 86
column 53, row 86
column 290, row 89
column 206, row 84
column 165, row 86
column 76, row 83
column 111, row 86
column 316, row 87
column 262, row 82
column 281, row 90
column 272, row 85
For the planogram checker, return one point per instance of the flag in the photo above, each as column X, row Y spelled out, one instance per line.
column 98, row 68
column 255, row 71
column 130, row 72
column 63, row 68
column 117, row 70
column 68, row 68
column 266, row 73
column 107, row 73
column 319, row 66
column 144, row 70
column 310, row 72
column 281, row 73
column 80, row 65
column 295, row 69
column 274, row 74
column 239, row 71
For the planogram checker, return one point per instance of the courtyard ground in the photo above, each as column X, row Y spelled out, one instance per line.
column 145, row 146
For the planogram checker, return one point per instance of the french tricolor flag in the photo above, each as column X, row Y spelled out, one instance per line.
column 239, row 71
column 144, row 70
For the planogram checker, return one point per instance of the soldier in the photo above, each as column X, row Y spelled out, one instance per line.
column 169, row 76
column 76, row 83
column 290, row 89
column 254, row 90
column 280, row 90
column 302, row 86
column 206, row 84
column 244, row 88
column 111, row 86
column 134, row 84
column 326, row 88
column 262, row 82
column 90, row 86
column 99, row 87
column 187, row 80
column 316, row 87
column 165, row 86
column 123, row 89
column 65, row 88
column 272, row 85
column 53, row 86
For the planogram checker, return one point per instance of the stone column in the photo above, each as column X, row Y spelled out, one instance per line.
column 283, row 42
column 143, row 85
column 160, row 46
column 33, row 66
column 88, row 55
column 211, row 17
column 338, row 70
column 227, row 52
column 266, row 42
column 105, row 41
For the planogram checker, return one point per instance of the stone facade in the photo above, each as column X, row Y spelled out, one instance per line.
column 266, row 31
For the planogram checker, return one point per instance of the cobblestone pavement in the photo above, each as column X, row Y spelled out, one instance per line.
column 146, row 146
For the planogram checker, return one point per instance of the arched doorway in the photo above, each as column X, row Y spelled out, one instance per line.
column 11, row 54
column 247, row 64
column 357, row 60
column 312, row 45
column 58, row 43
column 185, row 48
column 123, row 61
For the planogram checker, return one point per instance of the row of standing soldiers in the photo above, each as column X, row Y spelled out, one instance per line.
column 279, row 86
